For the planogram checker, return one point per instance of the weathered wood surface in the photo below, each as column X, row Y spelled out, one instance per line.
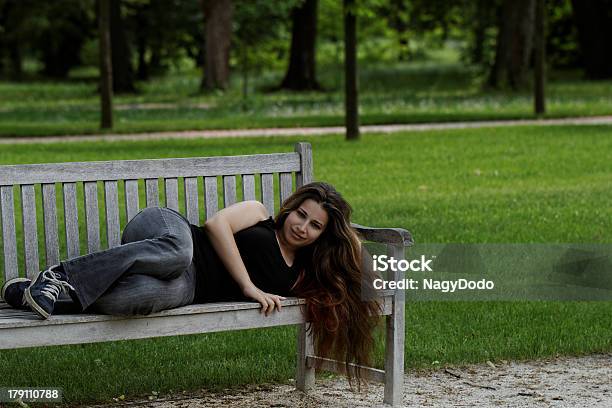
column 368, row 373
column 248, row 187
column 192, row 210
column 210, row 195
column 30, row 233
column 267, row 192
column 10, row 318
column 92, row 216
column 395, row 337
column 71, row 218
column 305, row 371
column 9, row 236
column 24, row 329
column 111, row 201
column 155, row 168
column 286, row 187
column 385, row 235
column 50, row 224
column 131, row 198
column 172, row 198
column 152, row 192
column 229, row 190
column 305, row 174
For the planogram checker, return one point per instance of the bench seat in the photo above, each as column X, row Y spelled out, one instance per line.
column 21, row 328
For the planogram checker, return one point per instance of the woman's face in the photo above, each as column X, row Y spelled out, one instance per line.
column 304, row 224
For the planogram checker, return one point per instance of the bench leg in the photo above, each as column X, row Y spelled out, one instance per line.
column 394, row 348
column 305, row 375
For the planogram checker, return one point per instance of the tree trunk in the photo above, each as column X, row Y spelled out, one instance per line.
column 16, row 61
column 10, row 20
column 540, row 58
column 106, row 69
column 218, row 15
column 142, row 71
column 514, row 44
column 301, row 73
column 350, row 70
column 484, row 9
column 142, row 34
column 594, row 22
column 123, row 73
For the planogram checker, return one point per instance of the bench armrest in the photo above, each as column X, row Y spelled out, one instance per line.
column 385, row 235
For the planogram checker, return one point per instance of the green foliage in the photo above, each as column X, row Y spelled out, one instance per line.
column 435, row 91
column 562, row 47
column 261, row 33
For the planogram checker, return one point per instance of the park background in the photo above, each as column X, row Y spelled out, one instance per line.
column 190, row 65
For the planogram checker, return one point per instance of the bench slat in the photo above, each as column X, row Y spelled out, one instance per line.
column 132, row 328
column 24, row 329
column 92, row 216
column 50, row 217
column 131, row 198
column 248, row 187
column 30, row 234
column 305, row 174
column 210, row 192
column 111, row 201
column 267, row 192
column 172, row 200
column 71, row 219
column 285, row 186
column 152, row 192
column 9, row 237
column 192, row 209
column 148, row 169
column 229, row 190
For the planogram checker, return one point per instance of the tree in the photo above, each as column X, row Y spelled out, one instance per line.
column 350, row 70
column 540, row 57
column 68, row 24
column 514, row 44
column 162, row 32
column 218, row 16
column 123, row 73
column 248, row 35
column 12, row 15
column 301, row 73
column 106, row 73
column 594, row 23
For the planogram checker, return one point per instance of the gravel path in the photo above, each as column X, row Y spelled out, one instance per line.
column 561, row 382
column 306, row 131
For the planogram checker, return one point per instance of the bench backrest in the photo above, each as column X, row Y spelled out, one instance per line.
column 183, row 182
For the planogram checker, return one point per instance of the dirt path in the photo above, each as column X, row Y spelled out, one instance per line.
column 561, row 382
column 307, row 131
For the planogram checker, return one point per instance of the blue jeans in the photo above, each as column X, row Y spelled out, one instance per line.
column 150, row 271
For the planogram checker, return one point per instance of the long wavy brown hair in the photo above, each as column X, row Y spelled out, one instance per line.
column 331, row 278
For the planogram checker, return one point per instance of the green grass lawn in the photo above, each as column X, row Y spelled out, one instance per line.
column 432, row 91
column 500, row 185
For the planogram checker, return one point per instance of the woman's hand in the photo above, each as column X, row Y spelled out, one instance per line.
column 267, row 300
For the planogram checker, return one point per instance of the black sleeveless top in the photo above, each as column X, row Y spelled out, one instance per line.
column 261, row 255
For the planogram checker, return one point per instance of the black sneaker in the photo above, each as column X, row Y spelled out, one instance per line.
column 13, row 290
column 42, row 294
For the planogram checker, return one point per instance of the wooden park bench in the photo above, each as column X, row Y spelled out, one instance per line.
column 199, row 178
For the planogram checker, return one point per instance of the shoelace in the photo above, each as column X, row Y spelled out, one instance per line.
column 53, row 286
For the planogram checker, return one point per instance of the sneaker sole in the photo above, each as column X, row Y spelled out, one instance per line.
column 10, row 282
column 39, row 310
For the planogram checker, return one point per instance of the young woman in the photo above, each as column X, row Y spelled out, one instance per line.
column 241, row 253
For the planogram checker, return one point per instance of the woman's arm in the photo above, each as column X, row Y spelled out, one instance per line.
column 221, row 228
